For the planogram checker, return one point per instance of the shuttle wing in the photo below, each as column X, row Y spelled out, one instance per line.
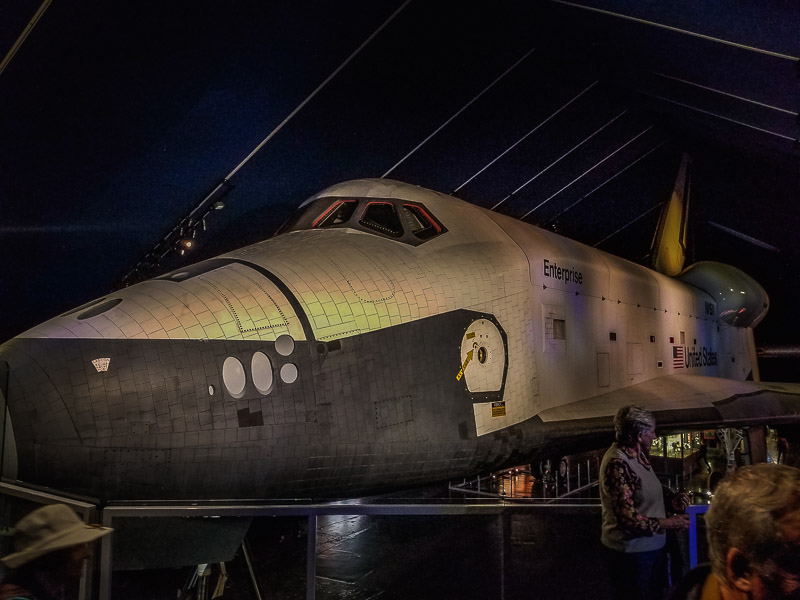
column 685, row 402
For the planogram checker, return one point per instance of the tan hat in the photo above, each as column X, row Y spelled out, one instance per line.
column 49, row 528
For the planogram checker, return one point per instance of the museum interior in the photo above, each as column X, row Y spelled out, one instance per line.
column 339, row 300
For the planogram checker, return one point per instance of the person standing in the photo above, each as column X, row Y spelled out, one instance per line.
column 51, row 544
column 753, row 533
column 783, row 448
column 634, row 521
column 702, row 454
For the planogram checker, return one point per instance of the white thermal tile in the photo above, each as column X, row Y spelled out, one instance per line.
column 230, row 330
column 84, row 329
column 187, row 319
column 51, row 330
column 132, row 330
column 195, row 332
column 206, row 317
column 362, row 322
column 314, row 308
column 158, row 310
column 170, row 322
column 223, row 316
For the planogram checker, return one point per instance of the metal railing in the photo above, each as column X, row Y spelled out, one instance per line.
column 577, row 477
column 498, row 507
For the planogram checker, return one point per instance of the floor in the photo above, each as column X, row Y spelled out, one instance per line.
column 552, row 551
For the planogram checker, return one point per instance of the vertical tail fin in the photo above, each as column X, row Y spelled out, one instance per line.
column 668, row 250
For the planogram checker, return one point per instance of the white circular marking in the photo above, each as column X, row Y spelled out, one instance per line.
column 233, row 376
column 284, row 345
column 210, row 390
column 261, row 368
column 289, row 373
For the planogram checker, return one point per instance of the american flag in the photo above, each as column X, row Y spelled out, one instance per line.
column 677, row 357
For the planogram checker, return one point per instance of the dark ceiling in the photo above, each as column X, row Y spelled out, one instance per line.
column 117, row 121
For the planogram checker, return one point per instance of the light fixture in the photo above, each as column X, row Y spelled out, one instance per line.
column 184, row 244
column 180, row 238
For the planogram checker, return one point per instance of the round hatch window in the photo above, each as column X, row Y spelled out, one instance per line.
column 284, row 345
column 233, row 376
column 261, row 368
column 289, row 373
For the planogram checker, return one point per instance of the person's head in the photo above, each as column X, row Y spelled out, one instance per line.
column 753, row 530
column 633, row 425
column 53, row 538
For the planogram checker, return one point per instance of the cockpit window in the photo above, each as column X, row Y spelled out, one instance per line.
column 401, row 220
column 420, row 222
column 382, row 216
column 337, row 214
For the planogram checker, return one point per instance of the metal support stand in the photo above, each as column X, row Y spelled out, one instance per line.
column 729, row 438
column 202, row 582
column 311, row 558
column 249, row 560
column 757, row 442
column 504, row 527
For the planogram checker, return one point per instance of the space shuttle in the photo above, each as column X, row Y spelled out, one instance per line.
column 388, row 337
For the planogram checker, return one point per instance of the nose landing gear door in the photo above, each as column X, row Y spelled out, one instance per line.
column 483, row 359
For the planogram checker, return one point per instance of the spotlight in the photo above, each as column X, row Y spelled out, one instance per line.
column 184, row 244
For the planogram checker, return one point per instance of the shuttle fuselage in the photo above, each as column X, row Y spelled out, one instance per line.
column 391, row 336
